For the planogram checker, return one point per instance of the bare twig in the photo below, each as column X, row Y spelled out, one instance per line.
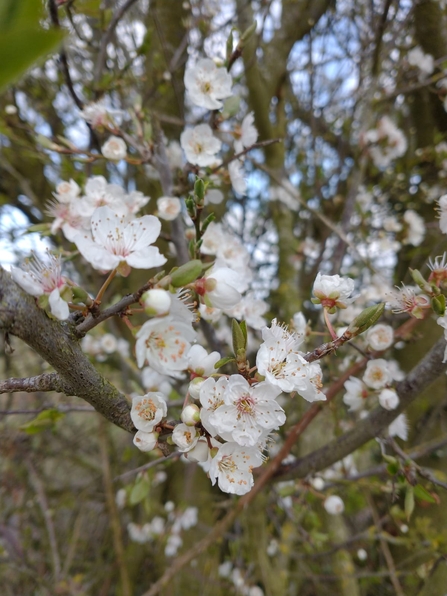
column 174, row 455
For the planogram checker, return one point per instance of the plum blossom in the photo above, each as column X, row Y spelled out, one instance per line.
column 425, row 62
column 248, row 135
column 168, row 208
column 251, row 310
column 380, row 337
column 399, row 427
column 164, row 343
column 232, row 468
column 200, row 145
column 145, row 441
column 387, row 142
column 416, row 228
column 211, row 398
column 406, row 299
column 68, row 218
column 44, row 279
column 67, row 191
column 247, row 412
column 148, row 410
column 200, row 363
column 221, row 287
column 118, row 242
column 333, row 291
column 238, row 182
column 388, row 399
column 355, row 394
column 377, row 374
column 207, row 84
column 185, row 437
column 114, row 148
column 98, row 115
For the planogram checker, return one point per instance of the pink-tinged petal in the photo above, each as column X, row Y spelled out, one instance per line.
column 27, row 282
column 142, row 231
column 58, row 306
column 96, row 255
column 146, row 258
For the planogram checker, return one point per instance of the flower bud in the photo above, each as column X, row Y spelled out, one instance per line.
column 199, row 191
column 334, row 505
column 388, row 399
column 145, row 441
column 366, row 319
column 199, row 453
column 194, row 387
column 187, row 273
column 438, row 304
column 156, row 302
column 190, row 415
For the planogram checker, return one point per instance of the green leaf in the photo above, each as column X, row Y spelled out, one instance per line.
column 239, row 337
column 21, row 48
column 422, row 494
column 44, row 421
column 224, row 361
column 139, row 491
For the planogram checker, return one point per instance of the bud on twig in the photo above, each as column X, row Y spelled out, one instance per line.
column 186, row 274
column 366, row 319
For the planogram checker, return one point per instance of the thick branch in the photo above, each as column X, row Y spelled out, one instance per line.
column 56, row 343
column 419, row 379
column 45, row 382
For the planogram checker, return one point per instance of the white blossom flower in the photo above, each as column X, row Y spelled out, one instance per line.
column 109, row 343
column 247, row 412
column 355, row 394
column 67, row 191
column 248, row 135
column 154, row 381
column 148, row 410
column 221, row 287
column 251, row 310
column 168, row 208
column 185, row 437
column 300, row 323
column 200, row 145
column 416, row 228
column 44, row 279
column 114, row 148
column 98, row 115
column 145, row 441
column 425, row 62
column 377, row 374
column 68, row 218
column 211, row 397
column 388, row 399
column 232, row 468
column 200, row 362
column 399, row 427
column 386, row 141
column 238, row 182
column 380, row 337
column 333, row 291
column 334, row 505
column 164, row 343
column 139, row 534
column 200, row 452
column 407, row 299
column 207, row 84
column 116, row 241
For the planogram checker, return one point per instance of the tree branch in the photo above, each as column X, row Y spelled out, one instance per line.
column 45, row 382
column 56, row 343
column 420, row 378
